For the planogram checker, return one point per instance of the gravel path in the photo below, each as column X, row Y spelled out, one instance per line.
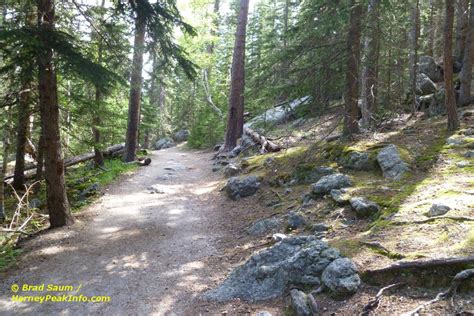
column 144, row 250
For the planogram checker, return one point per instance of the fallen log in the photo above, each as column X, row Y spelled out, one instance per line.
column 266, row 145
column 30, row 172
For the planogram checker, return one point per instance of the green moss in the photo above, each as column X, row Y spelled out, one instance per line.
column 348, row 247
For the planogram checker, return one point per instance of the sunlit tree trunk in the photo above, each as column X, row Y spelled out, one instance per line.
column 136, row 82
column 3, row 166
column 58, row 205
column 466, row 71
column 462, row 21
column 352, row 72
column 414, row 35
column 450, row 100
column 369, row 63
column 235, row 117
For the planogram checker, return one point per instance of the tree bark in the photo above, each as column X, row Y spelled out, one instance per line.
column 235, row 117
column 40, row 158
column 3, row 166
column 369, row 62
column 136, row 82
column 58, row 205
column 462, row 21
column 466, row 71
column 414, row 35
column 450, row 99
column 352, row 78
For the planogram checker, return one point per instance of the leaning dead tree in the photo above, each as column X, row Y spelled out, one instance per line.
column 265, row 143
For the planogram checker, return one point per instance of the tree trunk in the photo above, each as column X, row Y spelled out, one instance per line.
column 352, row 80
column 462, row 21
column 450, row 99
column 438, row 30
column 3, row 166
column 58, row 205
column 466, row 71
column 369, row 62
column 40, row 160
column 235, row 117
column 136, row 82
column 414, row 34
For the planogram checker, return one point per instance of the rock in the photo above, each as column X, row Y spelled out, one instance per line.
column 330, row 182
column 35, row 203
column 462, row 164
column 278, row 237
column 216, row 168
column 391, row 163
column 358, row 161
column 438, row 209
column 287, row 191
column 299, row 301
column 263, row 313
column 264, row 226
column 469, row 132
column 428, row 66
column 269, row 273
column 181, row 136
column 341, row 277
column 156, row 189
column 235, row 152
column 424, row 85
column 469, row 154
column 231, row 170
column 340, row 196
column 455, row 140
column 279, row 114
column 320, row 227
column 218, row 147
column 242, row 187
column 164, row 143
column 295, row 220
column 90, row 191
column 307, row 174
column 364, row 207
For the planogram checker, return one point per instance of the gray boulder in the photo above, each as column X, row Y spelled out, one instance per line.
column 265, row 226
column 391, row 163
column 428, row 66
column 299, row 301
column 330, row 182
column 340, row 196
column 364, row 207
column 164, row 143
column 89, row 191
column 231, row 170
column 341, row 277
column 308, row 174
column 320, row 227
column 235, row 152
column 455, row 140
column 242, row 187
column 358, row 161
column 295, row 220
column 279, row 114
column 181, row 136
column 268, row 274
column 424, row 85
column 469, row 154
column 438, row 209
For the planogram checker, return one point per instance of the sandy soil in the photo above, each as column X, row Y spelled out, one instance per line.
column 147, row 251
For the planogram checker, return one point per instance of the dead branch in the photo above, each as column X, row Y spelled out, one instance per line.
column 434, row 218
column 374, row 302
column 266, row 145
column 450, row 293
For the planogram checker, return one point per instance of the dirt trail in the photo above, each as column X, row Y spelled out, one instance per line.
column 144, row 250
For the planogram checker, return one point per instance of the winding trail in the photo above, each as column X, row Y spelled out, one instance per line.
column 144, row 250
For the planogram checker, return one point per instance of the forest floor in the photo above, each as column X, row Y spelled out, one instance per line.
column 156, row 253
column 148, row 252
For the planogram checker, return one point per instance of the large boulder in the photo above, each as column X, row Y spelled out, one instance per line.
column 428, row 66
column 299, row 301
column 364, row 207
column 298, row 260
column 341, row 277
column 391, row 163
column 358, row 161
column 330, row 182
column 181, row 136
column 307, row 174
column 279, row 114
column 163, row 143
column 237, row 188
column 265, row 226
column 424, row 85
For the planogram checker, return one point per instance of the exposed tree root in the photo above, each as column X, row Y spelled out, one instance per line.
column 434, row 218
column 450, row 293
column 373, row 304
